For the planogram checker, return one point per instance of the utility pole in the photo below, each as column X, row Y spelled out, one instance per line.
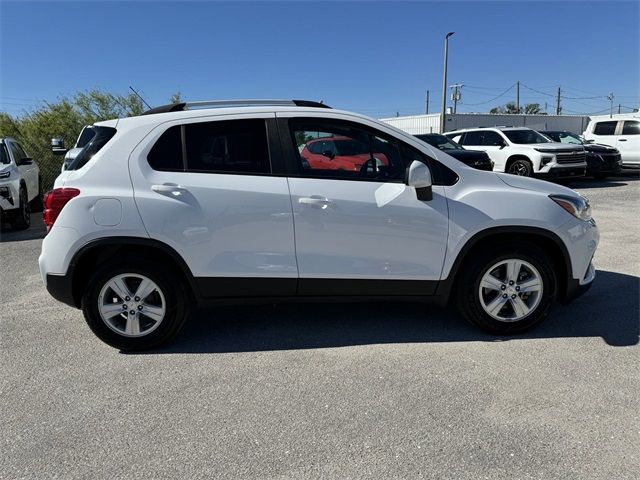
column 610, row 97
column 558, row 103
column 456, row 95
column 444, row 81
column 619, row 107
column 426, row 110
column 518, row 96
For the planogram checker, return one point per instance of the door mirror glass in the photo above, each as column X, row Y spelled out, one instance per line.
column 419, row 177
column 25, row 161
column 57, row 146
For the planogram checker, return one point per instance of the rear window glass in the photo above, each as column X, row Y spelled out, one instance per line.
column 525, row 137
column 99, row 140
column 605, row 128
column 85, row 136
column 228, row 146
column 166, row 154
column 631, row 128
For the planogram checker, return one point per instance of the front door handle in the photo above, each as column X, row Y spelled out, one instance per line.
column 169, row 188
column 622, row 139
column 315, row 201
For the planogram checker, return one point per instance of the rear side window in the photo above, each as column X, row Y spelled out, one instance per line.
column 605, row 128
column 99, row 140
column 492, row 139
column 233, row 146
column 473, row 138
column 166, row 154
column 631, row 127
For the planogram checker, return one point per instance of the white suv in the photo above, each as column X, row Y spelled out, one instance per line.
column 19, row 184
column 621, row 132
column 230, row 202
column 525, row 152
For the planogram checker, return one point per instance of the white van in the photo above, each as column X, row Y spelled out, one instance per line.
column 621, row 132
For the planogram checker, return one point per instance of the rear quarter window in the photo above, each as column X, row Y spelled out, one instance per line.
column 166, row 154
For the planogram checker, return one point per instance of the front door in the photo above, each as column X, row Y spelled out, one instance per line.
column 206, row 189
column 363, row 232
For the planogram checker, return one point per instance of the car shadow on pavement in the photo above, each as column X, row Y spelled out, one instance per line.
column 609, row 310
column 34, row 232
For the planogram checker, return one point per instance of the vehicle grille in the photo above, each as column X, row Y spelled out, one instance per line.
column 571, row 157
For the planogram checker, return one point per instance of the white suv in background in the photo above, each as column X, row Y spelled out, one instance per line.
column 19, row 184
column 621, row 132
column 222, row 202
column 523, row 151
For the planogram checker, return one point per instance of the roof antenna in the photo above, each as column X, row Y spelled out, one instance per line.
column 139, row 96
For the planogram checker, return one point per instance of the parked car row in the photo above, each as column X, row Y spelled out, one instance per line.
column 547, row 153
column 19, row 184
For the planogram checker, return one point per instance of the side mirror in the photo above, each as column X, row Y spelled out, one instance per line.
column 419, row 177
column 25, row 161
column 329, row 154
column 57, row 146
column 502, row 145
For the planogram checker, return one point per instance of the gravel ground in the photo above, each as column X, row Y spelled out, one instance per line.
column 330, row 391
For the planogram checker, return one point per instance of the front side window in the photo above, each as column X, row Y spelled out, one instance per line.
column 229, row 146
column 605, row 128
column 492, row 139
column 525, row 137
column 631, row 127
column 341, row 150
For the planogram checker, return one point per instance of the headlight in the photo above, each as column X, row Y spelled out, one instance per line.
column 5, row 174
column 577, row 206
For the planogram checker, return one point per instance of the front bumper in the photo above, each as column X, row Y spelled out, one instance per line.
column 8, row 196
column 563, row 171
column 597, row 163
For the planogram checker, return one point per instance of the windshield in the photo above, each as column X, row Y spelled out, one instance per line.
column 440, row 142
column 525, row 136
column 571, row 138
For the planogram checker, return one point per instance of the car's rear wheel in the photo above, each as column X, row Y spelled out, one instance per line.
column 134, row 306
column 22, row 216
column 509, row 292
column 521, row 168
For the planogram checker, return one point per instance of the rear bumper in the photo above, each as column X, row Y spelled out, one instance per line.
column 60, row 288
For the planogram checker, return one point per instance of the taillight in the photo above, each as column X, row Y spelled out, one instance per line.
column 54, row 202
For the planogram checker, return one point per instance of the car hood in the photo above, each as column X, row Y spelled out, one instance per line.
column 556, row 147
column 535, row 184
column 599, row 148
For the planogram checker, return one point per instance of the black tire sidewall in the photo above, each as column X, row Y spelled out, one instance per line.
column 22, row 216
column 174, row 295
column 469, row 297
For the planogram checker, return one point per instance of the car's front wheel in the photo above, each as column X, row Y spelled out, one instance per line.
column 521, row 168
column 135, row 306
column 508, row 289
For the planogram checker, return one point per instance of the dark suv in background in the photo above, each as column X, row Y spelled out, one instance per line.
column 602, row 160
column 475, row 159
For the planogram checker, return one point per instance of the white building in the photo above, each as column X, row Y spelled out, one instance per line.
column 417, row 124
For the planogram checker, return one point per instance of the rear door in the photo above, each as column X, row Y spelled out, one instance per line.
column 628, row 142
column 605, row 133
column 362, row 232
column 205, row 187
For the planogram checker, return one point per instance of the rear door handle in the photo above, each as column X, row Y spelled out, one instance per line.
column 315, row 201
column 622, row 139
column 169, row 188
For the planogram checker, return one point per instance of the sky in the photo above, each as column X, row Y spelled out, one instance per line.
column 377, row 58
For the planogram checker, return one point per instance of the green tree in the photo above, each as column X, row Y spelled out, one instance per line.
column 511, row 108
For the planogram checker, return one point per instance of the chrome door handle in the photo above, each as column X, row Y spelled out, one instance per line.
column 315, row 201
column 170, row 188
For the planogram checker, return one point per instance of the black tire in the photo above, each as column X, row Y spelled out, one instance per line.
column 521, row 168
column 22, row 216
column 175, row 296
column 467, row 290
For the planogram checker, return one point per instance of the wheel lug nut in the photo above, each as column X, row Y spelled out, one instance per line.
column 503, row 287
column 513, row 296
column 504, row 295
column 137, row 299
column 139, row 307
column 124, row 306
column 132, row 312
column 510, row 282
column 127, row 299
column 517, row 289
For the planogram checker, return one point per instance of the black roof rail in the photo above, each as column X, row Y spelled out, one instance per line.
column 178, row 107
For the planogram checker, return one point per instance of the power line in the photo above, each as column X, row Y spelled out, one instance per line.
column 494, row 98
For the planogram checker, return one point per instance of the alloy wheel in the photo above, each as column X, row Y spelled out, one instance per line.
column 131, row 305
column 510, row 290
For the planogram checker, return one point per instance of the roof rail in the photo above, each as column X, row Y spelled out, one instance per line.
column 178, row 107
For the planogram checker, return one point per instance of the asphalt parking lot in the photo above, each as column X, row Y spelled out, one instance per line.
column 330, row 391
